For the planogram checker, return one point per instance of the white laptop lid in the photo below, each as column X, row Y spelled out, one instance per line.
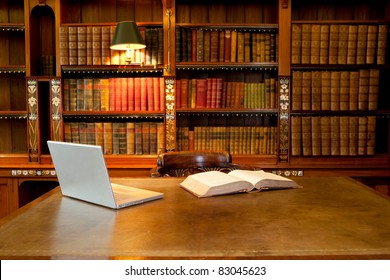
column 82, row 174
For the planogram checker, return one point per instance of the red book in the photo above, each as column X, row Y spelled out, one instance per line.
column 143, row 94
column 156, row 94
column 162, row 93
column 118, row 94
column 137, row 94
column 213, row 93
column 130, row 94
column 201, row 85
column 219, row 87
column 184, row 93
column 124, row 94
column 228, row 42
column 208, row 92
column 178, row 94
column 150, row 94
column 112, row 94
column 193, row 45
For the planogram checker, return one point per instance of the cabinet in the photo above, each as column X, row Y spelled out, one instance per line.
column 270, row 105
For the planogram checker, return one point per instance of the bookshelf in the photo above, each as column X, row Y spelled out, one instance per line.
column 287, row 91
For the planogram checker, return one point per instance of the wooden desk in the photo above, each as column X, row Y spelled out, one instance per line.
column 329, row 218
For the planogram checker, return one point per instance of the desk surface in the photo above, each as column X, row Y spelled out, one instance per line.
column 331, row 218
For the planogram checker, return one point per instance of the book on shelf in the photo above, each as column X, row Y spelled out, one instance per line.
column 333, row 43
column 344, row 91
column 306, row 44
column 382, row 44
column 353, row 90
column 315, row 44
column 352, row 43
column 64, row 45
column 296, row 136
column 324, row 43
column 72, row 44
column 372, row 36
column 81, row 45
column 361, row 44
column 342, row 44
column 213, row 183
column 296, row 43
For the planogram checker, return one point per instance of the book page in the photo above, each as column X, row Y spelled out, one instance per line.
column 261, row 179
column 214, row 183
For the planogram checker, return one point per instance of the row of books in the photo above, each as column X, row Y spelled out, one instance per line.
column 90, row 45
column 333, row 135
column 242, row 140
column 338, row 43
column 335, row 90
column 114, row 94
column 225, row 45
column 218, row 93
column 131, row 138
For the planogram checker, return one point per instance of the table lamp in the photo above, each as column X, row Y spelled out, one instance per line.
column 127, row 37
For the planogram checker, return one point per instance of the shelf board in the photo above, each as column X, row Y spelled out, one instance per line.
column 13, row 115
column 12, row 27
column 234, row 66
column 12, row 69
column 111, row 69
column 227, row 111
column 114, row 114
column 241, row 27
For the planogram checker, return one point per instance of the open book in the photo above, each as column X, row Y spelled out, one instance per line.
column 213, row 183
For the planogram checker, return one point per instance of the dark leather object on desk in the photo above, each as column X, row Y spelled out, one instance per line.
column 184, row 163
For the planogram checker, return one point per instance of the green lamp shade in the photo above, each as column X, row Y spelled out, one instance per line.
column 127, row 36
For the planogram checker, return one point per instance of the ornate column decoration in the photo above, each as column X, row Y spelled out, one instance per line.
column 32, row 120
column 170, row 119
column 56, row 120
column 284, row 118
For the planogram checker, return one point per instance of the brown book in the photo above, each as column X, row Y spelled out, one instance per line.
column 107, row 128
column 373, row 89
column 352, row 44
column 315, row 43
column 199, row 45
column 156, row 94
column 88, row 94
column 105, row 94
column 306, row 136
column 325, row 90
column 296, row 43
column 64, row 45
column 335, row 90
column 362, row 135
column 325, row 136
column 214, row 43
column 343, row 44
column 105, row 44
column 228, row 45
column 371, row 132
column 306, row 90
column 382, row 44
column 73, row 94
column 96, row 93
column 81, row 45
column 152, row 138
column 89, row 44
column 333, row 43
column 233, row 47
column 372, row 36
column 206, row 45
column 130, row 138
column 306, row 44
column 344, row 90
column 66, row 94
column 344, row 136
column 296, row 136
column 247, row 47
column 353, row 135
column 115, row 54
column 361, row 46
column 296, row 100
column 353, row 90
column 145, row 137
column 138, row 138
column 316, row 136
column 184, row 86
column 91, row 133
column 324, row 43
column 80, row 95
column 240, row 46
column 96, row 45
column 316, row 91
column 221, row 46
column 72, row 40
column 99, row 134
column 364, row 79
column 335, row 136
column 160, row 138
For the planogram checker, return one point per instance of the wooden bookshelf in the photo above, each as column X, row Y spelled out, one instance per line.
column 286, row 50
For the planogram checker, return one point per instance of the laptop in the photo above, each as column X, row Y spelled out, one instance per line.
column 82, row 174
